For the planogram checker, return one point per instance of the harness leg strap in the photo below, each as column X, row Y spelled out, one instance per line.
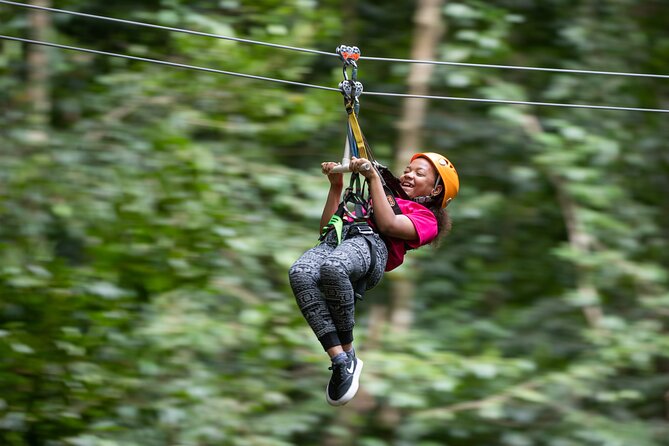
column 367, row 233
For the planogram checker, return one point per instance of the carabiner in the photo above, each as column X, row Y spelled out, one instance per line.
column 349, row 55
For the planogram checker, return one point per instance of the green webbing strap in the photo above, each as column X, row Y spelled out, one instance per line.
column 337, row 223
column 353, row 195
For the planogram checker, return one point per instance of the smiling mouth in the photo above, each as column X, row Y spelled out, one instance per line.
column 408, row 188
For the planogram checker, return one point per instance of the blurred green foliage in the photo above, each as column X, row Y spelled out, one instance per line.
column 146, row 231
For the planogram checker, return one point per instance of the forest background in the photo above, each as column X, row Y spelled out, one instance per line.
column 149, row 216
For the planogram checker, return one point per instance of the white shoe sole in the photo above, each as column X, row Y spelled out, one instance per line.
column 348, row 396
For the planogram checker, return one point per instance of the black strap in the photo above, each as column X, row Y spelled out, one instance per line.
column 391, row 181
column 367, row 233
column 392, row 187
column 353, row 195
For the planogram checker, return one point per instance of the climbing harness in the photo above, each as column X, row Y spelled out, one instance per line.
column 356, row 144
column 355, row 210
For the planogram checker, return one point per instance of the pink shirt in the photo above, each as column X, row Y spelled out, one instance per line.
column 426, row 227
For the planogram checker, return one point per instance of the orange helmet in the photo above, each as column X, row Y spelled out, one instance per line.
column 447, row 173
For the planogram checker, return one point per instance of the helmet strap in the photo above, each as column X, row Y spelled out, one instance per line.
column 424, row 199
column 436, row 184
column 429, row 199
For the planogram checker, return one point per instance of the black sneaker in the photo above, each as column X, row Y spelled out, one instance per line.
column 345, row 381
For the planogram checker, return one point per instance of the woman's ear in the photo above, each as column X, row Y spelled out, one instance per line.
column 437, row 190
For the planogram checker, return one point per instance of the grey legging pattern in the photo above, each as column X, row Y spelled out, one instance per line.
column 322, row 278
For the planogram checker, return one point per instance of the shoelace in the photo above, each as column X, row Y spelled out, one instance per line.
column 341, row 367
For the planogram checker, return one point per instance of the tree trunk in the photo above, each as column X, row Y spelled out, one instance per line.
column 428, row 30
column 37, row 61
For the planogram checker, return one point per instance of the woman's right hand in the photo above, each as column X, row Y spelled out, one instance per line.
column 336, row 179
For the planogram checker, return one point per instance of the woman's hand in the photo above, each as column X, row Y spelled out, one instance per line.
column 356, row 165
column 336, row 179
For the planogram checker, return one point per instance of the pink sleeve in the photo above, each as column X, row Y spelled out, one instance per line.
column 423, row 220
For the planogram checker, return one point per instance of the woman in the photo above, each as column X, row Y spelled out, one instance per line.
column 322, row 278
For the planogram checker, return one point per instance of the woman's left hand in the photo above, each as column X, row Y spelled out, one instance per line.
column 356, row 165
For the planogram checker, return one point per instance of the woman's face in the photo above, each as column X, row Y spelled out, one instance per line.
column 418, row 179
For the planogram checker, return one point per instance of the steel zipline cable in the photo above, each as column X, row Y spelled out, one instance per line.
column 306, row 50
column 519, row 67
column 164, row 62
column 165, row 28
column 302, row 84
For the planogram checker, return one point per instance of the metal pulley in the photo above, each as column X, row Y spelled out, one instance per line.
column 348, row 54
column 351, row 89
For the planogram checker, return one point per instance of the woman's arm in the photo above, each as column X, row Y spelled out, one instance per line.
column 387, row 222
column 334, row 195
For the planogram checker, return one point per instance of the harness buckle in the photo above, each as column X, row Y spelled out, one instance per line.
column 362, row 229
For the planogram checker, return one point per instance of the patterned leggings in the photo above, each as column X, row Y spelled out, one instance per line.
column 322, row 281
